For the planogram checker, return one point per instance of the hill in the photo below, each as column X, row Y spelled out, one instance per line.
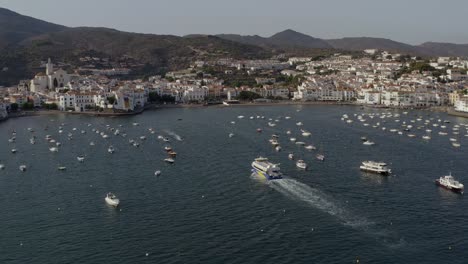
column 15, row 28
column 445, row 49
column 288, row 39
column 362, row 43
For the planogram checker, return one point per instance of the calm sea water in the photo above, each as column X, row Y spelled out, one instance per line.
column 208, row 208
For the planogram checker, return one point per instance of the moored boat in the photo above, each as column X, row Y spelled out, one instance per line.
column 112, row 200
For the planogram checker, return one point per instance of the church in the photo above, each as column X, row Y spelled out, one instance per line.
column 50, row 80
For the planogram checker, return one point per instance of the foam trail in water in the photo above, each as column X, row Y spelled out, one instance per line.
column 174, row 135
column 317, row 199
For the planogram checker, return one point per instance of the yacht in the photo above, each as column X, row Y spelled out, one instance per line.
column 376, row 167
column 310, row 147
column 300, row 143
column 143, row 138
column 301, row 164
column 22, row 168
column 112, row 200
column 456, row 144
column 259, row 130
column 442, row 133
column 288, row 132
column 111, row 150
column 91, row 143
column 368, row 143
column 448, row 182
column 261, row 166
column 426, row 137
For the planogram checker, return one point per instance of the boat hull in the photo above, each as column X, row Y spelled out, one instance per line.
column 453, row 189
column 112, row 202
column 374, row 171
column 265, row 175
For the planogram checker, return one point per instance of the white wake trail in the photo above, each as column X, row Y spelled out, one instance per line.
column 313, row 197
column 174, row 135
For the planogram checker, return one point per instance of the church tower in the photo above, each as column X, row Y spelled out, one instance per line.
column 49, row 68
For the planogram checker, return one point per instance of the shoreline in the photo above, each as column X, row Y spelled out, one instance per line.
column 443, row 109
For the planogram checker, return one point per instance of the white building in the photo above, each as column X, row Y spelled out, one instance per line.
column 461, row 105
column 50, row 80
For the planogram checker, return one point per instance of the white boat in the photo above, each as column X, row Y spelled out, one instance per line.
column 291, row 156
column 142, row 138
column 14, row 151
column 376, row 167
column 278, row 148
column 288, row 132
column 274, row 142
column 306, row 133
column 310, row 147
column 292, row 139
column 456, row 144
column 157, row 173
column 169, row 160
column 22, row 167
column 320, row 157
column 411, row 135
column 442, row 133
column 166, row 139
column 453, row 139
column 80, row 158
column 112, row 200
column 301, row 164
column 299, row 124
column 300, row 143
column 111, row 149
column 231, row 135
column 167, row 148
column 448, row 182
column 368, row 143
column 62, row 168
column 426, row 137
column 53, row 149
column 2, row 166
column 91, row 143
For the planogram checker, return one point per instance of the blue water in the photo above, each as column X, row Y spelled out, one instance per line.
column 208, row 208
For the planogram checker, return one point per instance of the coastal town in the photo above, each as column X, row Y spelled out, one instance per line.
column 374, row 77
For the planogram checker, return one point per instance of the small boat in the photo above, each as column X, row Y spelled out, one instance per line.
column 91, row 143
column 363, row 139
column 456, row 144
column 449, row 183
column 301, row 164
column 14, row 151
column 274, row 142
column 292, row 139
column 53, row 149
column 172, row 153
column 62, row 168
column 443, row 133
column 166, row 139
column 278, row 148
column 310, row 147
column 306, row 133
column 143, row 138
column 169, row 160
column 320, row 157
column 453, row 139
column 136, row 144
column 231, row 135
column 291, row 156
column 299, row 124
column 32, row 141
column 368, row 143
column 167, row 148
column 22, row 168
column 411, row 135
column 259, row 130
column 112, row 200
column 111, row 150
column 288, row 132
column 157, row 173
column 80, row 158
column 300, row 143
column 2, row 166
column 426, row 137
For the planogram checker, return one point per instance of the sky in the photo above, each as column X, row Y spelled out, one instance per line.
column 409, row 21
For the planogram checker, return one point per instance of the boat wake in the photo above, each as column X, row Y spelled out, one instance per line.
column 316, row 198
column 299, row 191
column 174, row 135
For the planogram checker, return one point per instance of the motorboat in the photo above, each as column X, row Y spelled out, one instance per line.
column 278, row 148
column 111, row 149
column 320, row 157
column 80, row 158
column 112, row 200
column 62, row 168
column 157, row 173
column 292, row 139
column 306, row 133
column 169, row 160
column 22, row 168
column 14, row 150
column 301, row 164
column 231, row 135
column 310, row 147
column 2, row 166
column 167, row 148
column 172, row 153
column 368, row 143
column 291, row 156
column 449, row 183
column 53, row 149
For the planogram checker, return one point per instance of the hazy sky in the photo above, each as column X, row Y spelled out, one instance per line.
column 410, row 21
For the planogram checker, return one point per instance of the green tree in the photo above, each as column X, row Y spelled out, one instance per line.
column 248, row 95
column 27, row 106
column 154, row 97
column 14, row 107
column 111, row 100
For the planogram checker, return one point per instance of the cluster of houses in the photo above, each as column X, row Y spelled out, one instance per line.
column 339, row 78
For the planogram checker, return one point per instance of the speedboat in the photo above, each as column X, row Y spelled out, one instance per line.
column 172, row 153
column 426, row 137
column 449, row 183
column 231, row 135
column 80, row 158
column 278, row 148
column 291, row 156
column 22, row 168
column 320, row 157
column 300, row 143
column 301, row 164
column 274, row 142
column 306, row 133
column 376, row 167
column 299, row 124
column 157, row 173
column 62, row 168
column 368, row 143
column 456, row 144
column 292, row 139
column 14, row 151
column 288, row 132
column 167, row 148
column 261, row 166
column 112, row 200
column 259, row 130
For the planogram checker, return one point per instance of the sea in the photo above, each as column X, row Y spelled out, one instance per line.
column 208, row 207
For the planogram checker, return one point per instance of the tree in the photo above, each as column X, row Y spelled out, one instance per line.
column 111, row 100
column 248, row 95
column 154, row 97
column 27, row 106
column 14, row 107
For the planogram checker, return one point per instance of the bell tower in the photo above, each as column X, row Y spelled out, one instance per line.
column 49, row 67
